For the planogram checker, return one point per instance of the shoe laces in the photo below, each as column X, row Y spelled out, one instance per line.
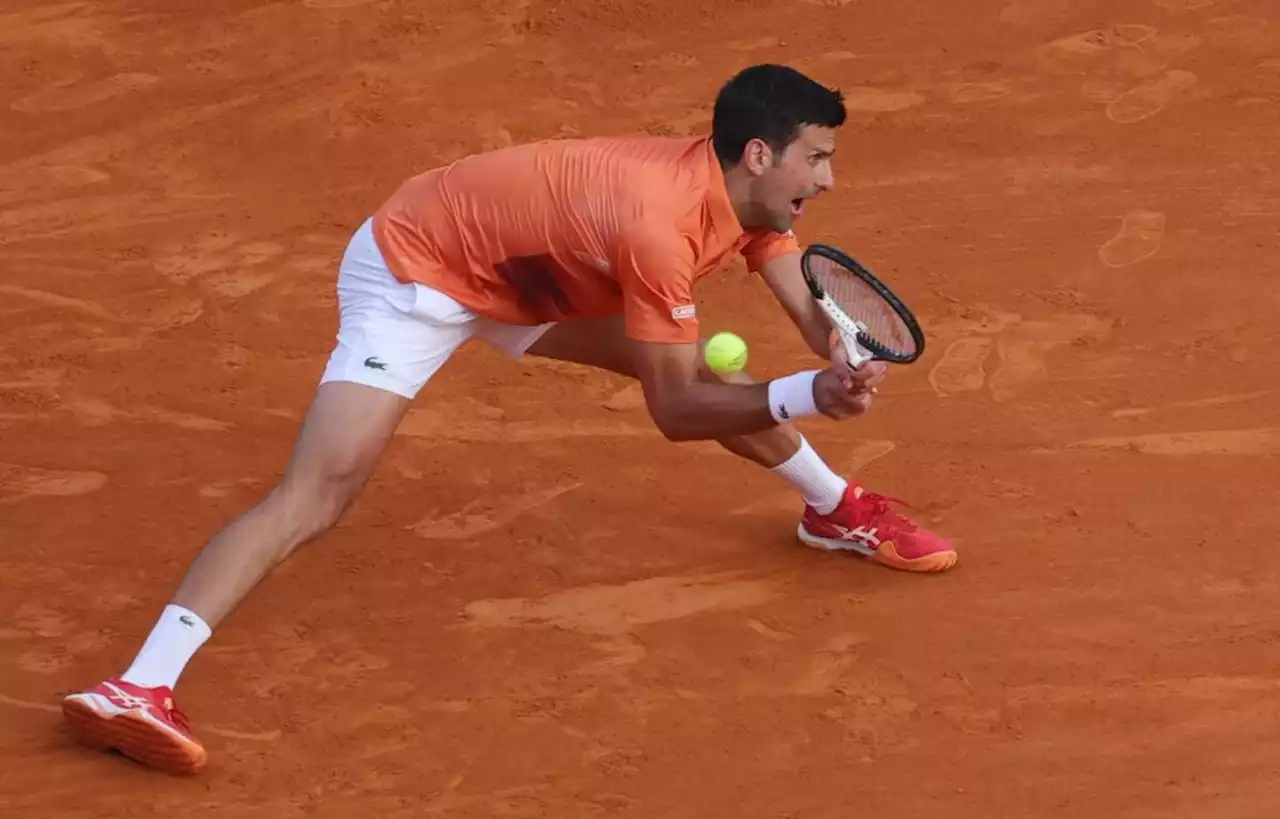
column 880, row 509
column 175, row 714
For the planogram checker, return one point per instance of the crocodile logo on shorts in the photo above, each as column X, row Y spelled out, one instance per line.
column 373, row 363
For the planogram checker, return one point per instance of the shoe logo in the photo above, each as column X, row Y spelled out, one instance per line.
column 373, row 363
column 124, row 699
column 867, row 536
column 186, row 621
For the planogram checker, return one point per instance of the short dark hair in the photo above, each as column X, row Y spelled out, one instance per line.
column 772, row 103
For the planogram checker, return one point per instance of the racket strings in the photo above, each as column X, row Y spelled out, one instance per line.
column 864, row 305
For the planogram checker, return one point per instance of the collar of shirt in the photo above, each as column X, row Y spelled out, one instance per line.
column 719, row 218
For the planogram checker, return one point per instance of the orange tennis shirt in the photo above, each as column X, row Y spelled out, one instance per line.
column 559, row 229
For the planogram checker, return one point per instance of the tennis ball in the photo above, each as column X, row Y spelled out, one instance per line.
column 725, row 353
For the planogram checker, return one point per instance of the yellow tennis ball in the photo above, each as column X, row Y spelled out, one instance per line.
column 725, row 353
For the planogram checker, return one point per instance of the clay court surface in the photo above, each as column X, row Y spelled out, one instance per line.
column 542, row 609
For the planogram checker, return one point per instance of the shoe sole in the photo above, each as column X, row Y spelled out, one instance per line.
column 885, row 555
column 99, row 724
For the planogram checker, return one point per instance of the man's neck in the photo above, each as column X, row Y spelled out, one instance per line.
column 738, row 187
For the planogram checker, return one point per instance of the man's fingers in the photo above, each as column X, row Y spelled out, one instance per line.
column 840, row 396
column 866, row 379
column 856, row 402
column 872, row 370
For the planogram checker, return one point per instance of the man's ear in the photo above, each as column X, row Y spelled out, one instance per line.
column 757, row 156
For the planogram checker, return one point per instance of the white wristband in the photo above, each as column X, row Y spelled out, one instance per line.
column 791, row 396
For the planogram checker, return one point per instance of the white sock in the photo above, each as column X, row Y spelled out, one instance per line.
column 822, row 488
column 173, row 642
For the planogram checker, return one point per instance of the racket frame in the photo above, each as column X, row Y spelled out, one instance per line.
column 858, row 342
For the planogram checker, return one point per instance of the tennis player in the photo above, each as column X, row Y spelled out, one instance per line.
column 579, row 250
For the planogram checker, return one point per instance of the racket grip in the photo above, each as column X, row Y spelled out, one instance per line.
column 854, row 354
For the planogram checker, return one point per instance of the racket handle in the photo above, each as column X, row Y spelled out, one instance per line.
column 854, row 354
column 841, row 327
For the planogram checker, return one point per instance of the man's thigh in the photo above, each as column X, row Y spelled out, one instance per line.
column 595, row 342
column 391, row 335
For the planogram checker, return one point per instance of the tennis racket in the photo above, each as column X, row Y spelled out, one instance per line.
column 872, row 322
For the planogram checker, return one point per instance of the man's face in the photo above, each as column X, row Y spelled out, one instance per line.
column 784, row 182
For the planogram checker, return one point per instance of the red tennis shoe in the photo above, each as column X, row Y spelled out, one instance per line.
column 141, row 723
column 866, row 523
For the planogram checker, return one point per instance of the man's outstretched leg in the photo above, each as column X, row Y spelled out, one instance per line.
column 344, row 434
column 392, row 338
column 838, row 515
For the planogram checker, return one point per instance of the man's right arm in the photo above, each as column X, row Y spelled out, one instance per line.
column 686, row 407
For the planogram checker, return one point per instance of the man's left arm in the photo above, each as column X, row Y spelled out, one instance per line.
column 776, row 257
column 782, row 274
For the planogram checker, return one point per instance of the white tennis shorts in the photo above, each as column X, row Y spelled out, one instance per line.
column 395, row 336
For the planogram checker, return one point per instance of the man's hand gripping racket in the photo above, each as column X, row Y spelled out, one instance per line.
column 871, row 322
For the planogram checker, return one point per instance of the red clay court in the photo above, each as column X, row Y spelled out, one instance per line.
column 539, row 608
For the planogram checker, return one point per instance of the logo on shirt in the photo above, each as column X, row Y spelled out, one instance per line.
column 684, row 311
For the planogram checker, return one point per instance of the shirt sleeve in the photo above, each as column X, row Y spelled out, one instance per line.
column 654, row 269
column 766, row 245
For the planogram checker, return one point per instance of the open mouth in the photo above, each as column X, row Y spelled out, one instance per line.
column 797, row 206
